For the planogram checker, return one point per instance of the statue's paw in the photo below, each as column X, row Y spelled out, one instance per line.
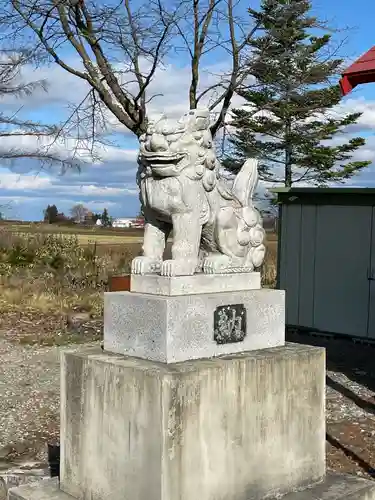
column 257, row 255
column 257, row 236
column 179, row 267
column 145, row 265
column 216, row 264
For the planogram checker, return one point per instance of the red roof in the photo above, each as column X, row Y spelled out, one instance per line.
column 362, row 71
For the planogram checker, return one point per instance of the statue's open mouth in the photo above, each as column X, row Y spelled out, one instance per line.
column 162, row 159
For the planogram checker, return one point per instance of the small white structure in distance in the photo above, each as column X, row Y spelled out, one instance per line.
column 122, row 222
column 98, row 223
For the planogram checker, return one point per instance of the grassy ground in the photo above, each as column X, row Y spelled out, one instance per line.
column 50, row 274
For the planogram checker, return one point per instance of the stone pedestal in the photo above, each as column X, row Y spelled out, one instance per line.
column 333, row 487
column 183, row 327
column 173, row 328
column 196, row 284
column 233, row 428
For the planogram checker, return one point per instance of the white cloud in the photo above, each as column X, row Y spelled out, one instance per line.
column 167, row 93
column 359, row 105
column 109, row 181
column 16, row 182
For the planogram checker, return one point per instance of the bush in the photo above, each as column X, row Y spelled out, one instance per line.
column 54, row 273
column 61, row 258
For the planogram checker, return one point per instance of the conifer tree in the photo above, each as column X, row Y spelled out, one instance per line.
column 105, row 218
column 288, row 119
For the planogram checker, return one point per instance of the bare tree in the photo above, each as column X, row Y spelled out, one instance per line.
column 79, row 212
column 207, row 27
column 121, row 45
column 14, row 131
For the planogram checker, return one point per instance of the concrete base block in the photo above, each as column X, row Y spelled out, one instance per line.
column 337, row 486
column 47, row 489
column 179, row 328
column 334, row 487
column 196, row 284
column 231, row 428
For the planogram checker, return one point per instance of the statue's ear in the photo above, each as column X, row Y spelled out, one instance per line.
column 210, row 161
column 209, row 180
column 207, row 139
column 196, row 174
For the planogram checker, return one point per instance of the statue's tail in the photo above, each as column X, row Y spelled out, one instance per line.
column 239, row 231
column 246, row 182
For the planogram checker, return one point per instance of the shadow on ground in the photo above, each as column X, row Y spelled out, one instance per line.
column 355, row 360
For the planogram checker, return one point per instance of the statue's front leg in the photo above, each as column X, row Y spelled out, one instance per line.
column 154, row 239
column 185, row 248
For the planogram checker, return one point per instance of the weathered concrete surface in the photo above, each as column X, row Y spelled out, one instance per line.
column 198, row 283
column 24, row 473
column 334, row 487
column 337, row 486
column 47, row 489
column 179, row 328
column 231, row 428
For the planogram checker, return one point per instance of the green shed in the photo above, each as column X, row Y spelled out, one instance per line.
column 326, row 259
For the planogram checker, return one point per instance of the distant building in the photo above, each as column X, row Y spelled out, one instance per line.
column 88, row 219
column 122, row 222
column 139, row 222
column 125, row 222
column 98, row 222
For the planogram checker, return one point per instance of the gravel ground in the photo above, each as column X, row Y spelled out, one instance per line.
column 29, row 399
column 350, row 403
column 29, row 402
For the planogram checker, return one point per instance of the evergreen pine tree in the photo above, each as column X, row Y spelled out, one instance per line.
column 105, row 218
column 288, row 120
column 51, row 214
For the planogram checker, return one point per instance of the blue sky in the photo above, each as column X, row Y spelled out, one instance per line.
column 26, row 190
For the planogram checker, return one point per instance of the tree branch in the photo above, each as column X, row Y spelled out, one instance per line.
column 235, row 79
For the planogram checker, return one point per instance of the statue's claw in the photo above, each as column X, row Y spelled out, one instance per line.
column 145, row 265
column 179, row 267
column 216, row 264
column 257, row 255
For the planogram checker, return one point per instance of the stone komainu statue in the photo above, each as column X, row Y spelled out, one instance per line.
column 216, row 228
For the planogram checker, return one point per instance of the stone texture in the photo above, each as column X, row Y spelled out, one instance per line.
column 231, row 428
column 216, row 227
column 18, row 475
column 334, row 487
column 337, row 486
column 179, row 328
column 48, row 489
column 196, row 284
